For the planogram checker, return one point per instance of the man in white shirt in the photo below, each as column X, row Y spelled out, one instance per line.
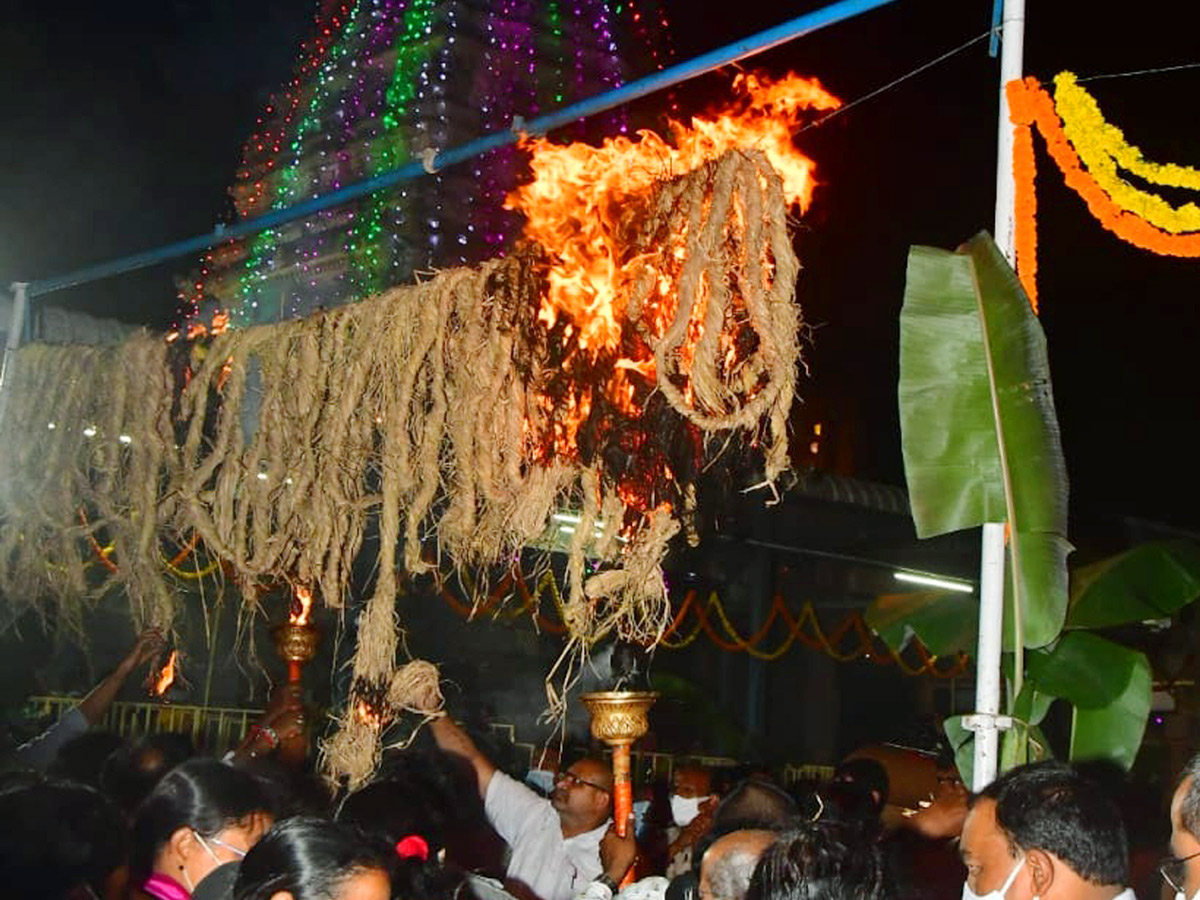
column 555, row 842
column 1042, row 832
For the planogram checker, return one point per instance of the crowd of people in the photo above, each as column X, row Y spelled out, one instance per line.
column 86, row 815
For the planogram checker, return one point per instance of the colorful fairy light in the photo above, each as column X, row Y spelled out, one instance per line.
column 379, row 83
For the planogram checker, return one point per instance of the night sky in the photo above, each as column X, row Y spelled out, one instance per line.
column 123, row 124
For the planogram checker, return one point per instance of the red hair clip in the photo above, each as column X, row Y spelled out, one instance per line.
column 413, row 845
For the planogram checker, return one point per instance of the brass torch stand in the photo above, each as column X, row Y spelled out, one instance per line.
column 296, row 645
column 619, row 718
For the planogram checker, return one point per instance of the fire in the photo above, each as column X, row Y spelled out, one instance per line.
column 367, row 715
column 586, row 207
column 301, row 612
column 574, row 204
column 167, row 676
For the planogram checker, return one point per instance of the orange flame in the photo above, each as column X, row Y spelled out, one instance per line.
column 582, row 207
column 301, row 613
column 367, row 715
column 573, row 204
column 166, row 677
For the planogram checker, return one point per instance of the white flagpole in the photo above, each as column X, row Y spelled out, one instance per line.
column 987, row 722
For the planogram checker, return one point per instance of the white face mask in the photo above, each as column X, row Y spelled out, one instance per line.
column 540, row 780
column 969, row 894
column 684, row 809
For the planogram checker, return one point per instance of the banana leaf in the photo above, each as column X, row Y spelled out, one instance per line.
column 1151, row 581
column 978, row 429
column 1108, row 685
column 945, row 622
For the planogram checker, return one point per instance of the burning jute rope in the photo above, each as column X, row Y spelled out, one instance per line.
column 419, row 413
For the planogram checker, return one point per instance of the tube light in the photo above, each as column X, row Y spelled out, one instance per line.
column 932, row 581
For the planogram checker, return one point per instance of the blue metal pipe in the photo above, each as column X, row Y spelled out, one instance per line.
column 757, row 43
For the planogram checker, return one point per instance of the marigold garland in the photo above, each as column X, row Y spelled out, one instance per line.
column 1025, row 206
column 1079, row 109
column 1087, row 130
column 1030, row 104
column 804, row 628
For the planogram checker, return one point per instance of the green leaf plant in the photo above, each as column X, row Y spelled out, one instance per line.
column 981, row 444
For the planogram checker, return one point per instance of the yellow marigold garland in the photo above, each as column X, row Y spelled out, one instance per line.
column 1030, row 105
column 1102, row 148
column 1076, row 102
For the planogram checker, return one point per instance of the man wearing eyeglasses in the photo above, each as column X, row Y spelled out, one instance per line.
column 555, row 842
column 1182, row 870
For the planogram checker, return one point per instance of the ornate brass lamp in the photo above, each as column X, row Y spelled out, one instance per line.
column 619, row 718
column 296, row 639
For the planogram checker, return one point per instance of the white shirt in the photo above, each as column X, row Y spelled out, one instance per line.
column 652, row 888
column 553, row 867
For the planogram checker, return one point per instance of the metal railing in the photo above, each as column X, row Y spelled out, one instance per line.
column 214, row 729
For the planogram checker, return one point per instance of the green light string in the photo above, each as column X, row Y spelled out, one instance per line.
column 415, row 47
column 265, row 244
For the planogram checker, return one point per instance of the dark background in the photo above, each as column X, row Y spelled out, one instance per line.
column 123, row 125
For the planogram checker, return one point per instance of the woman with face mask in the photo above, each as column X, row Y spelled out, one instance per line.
column 201, row 815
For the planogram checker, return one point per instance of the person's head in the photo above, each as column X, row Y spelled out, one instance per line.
column 132, row 771
column 1185, row 832
column 82, row 759
column 582, row 795
column 691, row 786
column 200, row 815
column 60, row 841
column 754, row 803
column 820, row 861
column 729, row 862
column 396, row 808
column 313, row 859
column 864, row 776
column 1043, row 831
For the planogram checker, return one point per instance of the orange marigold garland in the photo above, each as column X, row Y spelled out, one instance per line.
column 1029, row 104
column 1025, row 209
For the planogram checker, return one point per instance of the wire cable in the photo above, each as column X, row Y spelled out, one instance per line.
column 1179, row 68
column 897, row 81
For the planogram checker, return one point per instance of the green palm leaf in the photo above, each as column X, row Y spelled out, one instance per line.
column 978, row 429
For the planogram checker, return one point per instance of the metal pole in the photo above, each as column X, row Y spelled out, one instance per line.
column 16, row 326
column 987, row 722
column 715, row 59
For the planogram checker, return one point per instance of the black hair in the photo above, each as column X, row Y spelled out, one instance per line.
column 1049, row 806
column 131, row 772
column 755, row 803
column 397, row 807
column 306, row 857
column 56, row 837
column 867, row 776
column 751, row 804
column 202, row 794
column 82, row 758
column 820, row 861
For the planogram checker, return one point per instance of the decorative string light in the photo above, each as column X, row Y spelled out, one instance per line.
column 378, row 83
